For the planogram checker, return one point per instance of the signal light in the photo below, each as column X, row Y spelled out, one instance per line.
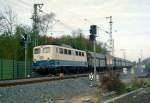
column 93, row 29
column 92, row 37
column 93, row 32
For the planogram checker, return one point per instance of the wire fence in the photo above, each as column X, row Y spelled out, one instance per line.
column 12, row 69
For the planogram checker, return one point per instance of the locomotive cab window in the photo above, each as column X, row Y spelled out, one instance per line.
column 37, row 51
column 46, row 50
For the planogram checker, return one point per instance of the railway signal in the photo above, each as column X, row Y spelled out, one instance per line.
column 93, row 32
column 23, row 42
column 92, row 37
column 91, row 76
column 93, row 29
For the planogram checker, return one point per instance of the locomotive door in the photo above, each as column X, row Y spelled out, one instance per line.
column 57, row 55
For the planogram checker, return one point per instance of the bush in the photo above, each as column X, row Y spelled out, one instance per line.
column 139, row 83
column 111, row 82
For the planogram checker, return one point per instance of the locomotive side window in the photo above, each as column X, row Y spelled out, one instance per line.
column 37, row 51
column 65, row 51
column 60, row 50
column 69, row 52
column 46, row 50
column 77, row 53
column 82, row 53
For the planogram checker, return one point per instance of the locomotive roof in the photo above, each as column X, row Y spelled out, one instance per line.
column 59, row 46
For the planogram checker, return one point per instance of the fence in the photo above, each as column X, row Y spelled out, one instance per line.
column 12, row 69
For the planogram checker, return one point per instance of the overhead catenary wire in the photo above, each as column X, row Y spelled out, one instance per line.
column 25, row 3
column 20, row 5
column 61, row 23
column 89, row 22
column 81, row 18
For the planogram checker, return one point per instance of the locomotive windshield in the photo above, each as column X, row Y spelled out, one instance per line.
column 46, row 50
column 37, row 51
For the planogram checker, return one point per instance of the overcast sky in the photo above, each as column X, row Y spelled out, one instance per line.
column 131, row 20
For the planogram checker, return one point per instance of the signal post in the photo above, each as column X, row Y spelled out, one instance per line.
column 93, row 32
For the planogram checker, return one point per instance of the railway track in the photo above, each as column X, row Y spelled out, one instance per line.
column 38, row 80
column 8, row 83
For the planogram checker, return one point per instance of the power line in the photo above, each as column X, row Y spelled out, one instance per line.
column 61, row 22
column 20, row 6
column 90, row 22
column 25, row 3
column 97, row 26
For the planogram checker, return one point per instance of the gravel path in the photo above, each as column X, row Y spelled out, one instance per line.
column 44, row 92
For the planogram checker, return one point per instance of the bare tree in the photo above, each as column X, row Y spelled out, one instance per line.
column 45, row 22
column 7, row 21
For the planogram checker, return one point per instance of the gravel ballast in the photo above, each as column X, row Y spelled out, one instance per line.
column 44, row 92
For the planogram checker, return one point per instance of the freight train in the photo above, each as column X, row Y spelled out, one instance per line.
column 51, row 59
